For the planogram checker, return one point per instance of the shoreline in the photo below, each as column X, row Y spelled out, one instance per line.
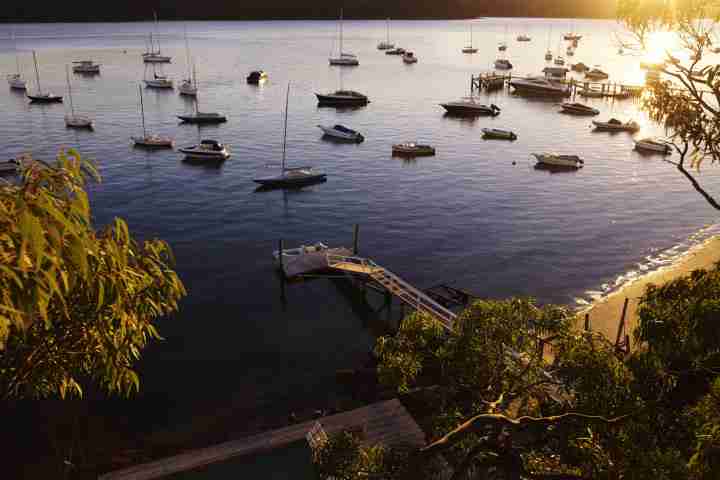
column 605, row 312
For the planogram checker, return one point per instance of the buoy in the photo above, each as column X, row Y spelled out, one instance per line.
column 514, row 162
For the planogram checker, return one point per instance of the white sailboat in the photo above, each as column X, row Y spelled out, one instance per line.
column 154, row 55
column 74, row 120
column 470, row 48
column 150, row 141
column 189, row 85
column 157, row 81
column 290, row 177
column 344, row 59
column 386, row 44
column 15, row 80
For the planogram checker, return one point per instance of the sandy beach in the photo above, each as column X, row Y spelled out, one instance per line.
column 605, row 313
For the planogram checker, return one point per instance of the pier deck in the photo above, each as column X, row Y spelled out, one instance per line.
column 386, row 423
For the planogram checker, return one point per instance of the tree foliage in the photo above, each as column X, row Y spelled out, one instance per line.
column 76, row 305
column 516, row 392
column 687, row 100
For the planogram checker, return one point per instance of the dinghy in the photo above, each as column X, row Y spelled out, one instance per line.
column 412, row 149
column 342, row 132
column 555, row 160
column 499, row 134
column 615, row 125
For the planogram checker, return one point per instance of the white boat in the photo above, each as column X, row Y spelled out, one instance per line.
column 207, row 150
column 615, row 125
column 540, row 86
column 409, row 57
column 9, row 166
column 40, row 96
column 503, row 64
column 651, row 144
column 578, row 109
column 15, row 80
column 188, row 86
column 386, row 44
column 559, row 60
column 153, row 55
column 579, row 67
column 590, row 93
column 502, row 47
column 395, row 51
column 596, row 74
column 149, row 140
column 342, row 132
column 343, row 59
column 499, row 134
column 555, row 160
column 158, row 81
column 291, row 177
column 413, row 149
column 469, row 106
column 291, row 253
column 86, row 67
column 548, row 55
column 523, row 38
column 470, row 48
column 74, row 120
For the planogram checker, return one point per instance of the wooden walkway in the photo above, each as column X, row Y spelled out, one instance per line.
column 386, row 423
column 491, row 81
column 394, row 284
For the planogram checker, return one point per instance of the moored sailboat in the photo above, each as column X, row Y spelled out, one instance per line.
column 343, row 59
column 148, row 140
column 16, row 80
column 74, row 120
column 40, row 96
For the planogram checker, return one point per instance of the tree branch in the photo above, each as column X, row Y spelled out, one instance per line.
column 477, row 422
column 696, row 185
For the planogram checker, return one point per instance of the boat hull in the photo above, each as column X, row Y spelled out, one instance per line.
column 401, row 151
column 559, row 161
column 498, row 134
column 462, row 110
column 344, row 62
column 652, row 147
column 149, row 59
column 338, row 135
column 201, row 120
column 78, row 122
column 340, row 101
column 284, row 182
column 45, row 99
column 530, row 90
column 152, row 143
column 197, row 155
column 611, row 127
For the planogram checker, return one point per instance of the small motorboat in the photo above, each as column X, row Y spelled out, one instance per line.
column 257, row 76
column 153, row 141
column 345, row 60
column 498, row 134
column 523, row 38
column 413, row 149
column 291, row 253
column 78, row 121
column 342, row 98
column 343, row 133
column 650, row 144
column 468, row 106
column 572, row 36
column 409, row 57
column 159, row 81
column 9, row 166
column 16, row 81
column 469, row 49
column 203, row 117
column 395, row 51
column 559, row 60
column 548, row 55
column 596, row 74
column 207, row 150
column 503, row 64
column 590, row 93
column 579, row 67
column 615, row 125
column 555, row 160
column 578, row 109
column 87, row 67
column 502, row 47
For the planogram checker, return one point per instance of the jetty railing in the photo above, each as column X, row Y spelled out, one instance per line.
column 407, row 293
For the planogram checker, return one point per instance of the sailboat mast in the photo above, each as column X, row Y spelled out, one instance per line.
column 17, row 57
column 287, row 101
column 387, row 31
column 156, row 29
column 67, row 76
column 37, row 74
column 187, row 52
column 471, row 39
column 341, row 32
column 197, row 109
column 142, row 111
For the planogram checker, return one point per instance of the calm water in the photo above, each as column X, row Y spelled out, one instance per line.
column 467, row 215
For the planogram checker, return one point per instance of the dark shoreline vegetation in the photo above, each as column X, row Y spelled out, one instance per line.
column 134, row 10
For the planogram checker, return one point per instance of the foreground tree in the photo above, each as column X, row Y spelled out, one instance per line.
column 687, row 98
column 516, row 392
column 76, row 305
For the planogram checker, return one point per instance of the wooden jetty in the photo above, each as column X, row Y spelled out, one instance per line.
column 386, row 423
column 309, row 262
column 493, row 81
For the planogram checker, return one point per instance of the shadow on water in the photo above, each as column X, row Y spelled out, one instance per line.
column 211, row 165
column 552, row 169
column 306, row 187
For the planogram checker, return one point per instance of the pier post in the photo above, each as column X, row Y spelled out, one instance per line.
column 356, row 239
column 587, row 322
column 621, row 326
column 283, row 299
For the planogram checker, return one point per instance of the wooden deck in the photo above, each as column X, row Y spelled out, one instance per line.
column 386, row 423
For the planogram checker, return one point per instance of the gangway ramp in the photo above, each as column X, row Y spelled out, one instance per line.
column 395, row 285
